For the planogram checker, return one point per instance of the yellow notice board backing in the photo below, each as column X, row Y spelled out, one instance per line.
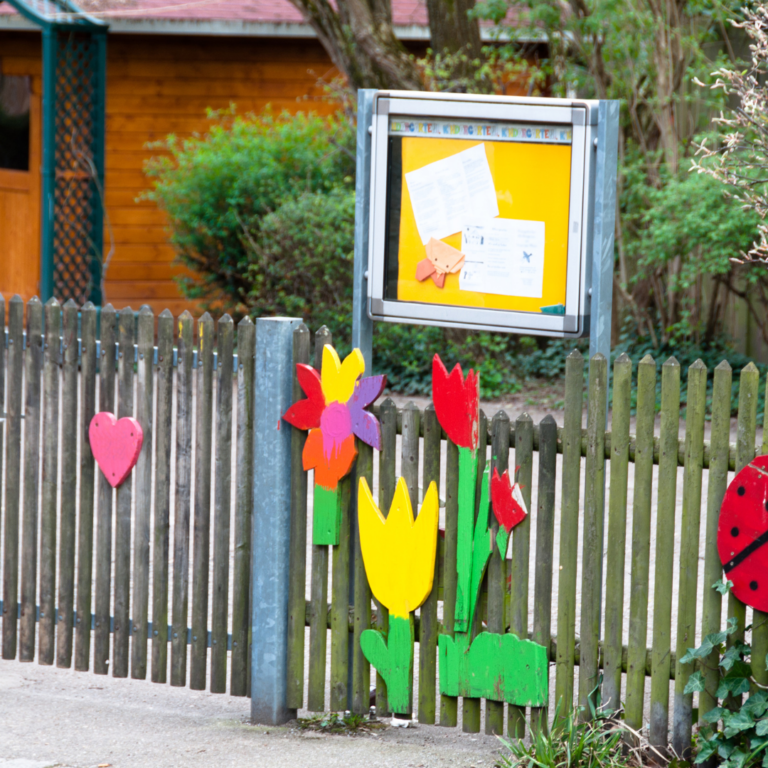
column 532, row 183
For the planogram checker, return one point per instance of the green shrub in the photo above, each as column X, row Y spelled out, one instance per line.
column 218, row 188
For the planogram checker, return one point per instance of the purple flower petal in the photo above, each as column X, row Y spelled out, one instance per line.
column 366, row 391
column 365, row 425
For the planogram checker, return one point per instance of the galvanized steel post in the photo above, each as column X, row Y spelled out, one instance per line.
column 603, row 230
column 270, row 542
column 362, row 325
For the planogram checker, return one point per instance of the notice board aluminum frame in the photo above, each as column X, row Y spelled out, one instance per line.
column 582, row 117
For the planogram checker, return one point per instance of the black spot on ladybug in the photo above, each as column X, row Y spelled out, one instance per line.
column 753, row 586
column 741, row 490
column 734, row 531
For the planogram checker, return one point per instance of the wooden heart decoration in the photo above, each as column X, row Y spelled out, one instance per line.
column 115, row 444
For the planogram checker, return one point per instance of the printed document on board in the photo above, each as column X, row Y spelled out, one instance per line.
column 504, row 256
column 449, row 193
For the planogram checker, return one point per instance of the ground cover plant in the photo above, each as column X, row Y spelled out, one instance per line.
column 573, row 741
column 742, row 742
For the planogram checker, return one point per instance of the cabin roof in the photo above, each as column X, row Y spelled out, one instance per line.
column 261, row 18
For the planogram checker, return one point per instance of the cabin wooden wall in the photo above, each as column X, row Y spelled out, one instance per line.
column 160, row 85
column 157, row 85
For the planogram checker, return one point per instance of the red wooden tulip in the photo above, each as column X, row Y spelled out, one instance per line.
column 457, row 403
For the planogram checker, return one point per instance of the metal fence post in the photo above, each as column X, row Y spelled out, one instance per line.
column 603, row 230
column 362, row 325
column 270, row 543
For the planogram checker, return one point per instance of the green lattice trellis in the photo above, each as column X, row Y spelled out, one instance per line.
column 74, row 81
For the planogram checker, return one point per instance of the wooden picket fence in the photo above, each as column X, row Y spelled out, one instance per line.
column 104, row 555
column 91, row 576
column 590, row 521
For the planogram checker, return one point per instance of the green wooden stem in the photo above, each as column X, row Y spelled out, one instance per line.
column 393, row 660
column 326, row 516
column 468, row 460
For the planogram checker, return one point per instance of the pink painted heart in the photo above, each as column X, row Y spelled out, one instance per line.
column 115, row 444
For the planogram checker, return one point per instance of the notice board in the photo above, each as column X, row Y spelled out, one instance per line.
column 477, row 213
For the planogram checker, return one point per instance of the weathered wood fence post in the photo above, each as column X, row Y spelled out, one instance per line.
column 271, row 538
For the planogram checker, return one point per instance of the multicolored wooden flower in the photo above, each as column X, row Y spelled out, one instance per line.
column 334, row 413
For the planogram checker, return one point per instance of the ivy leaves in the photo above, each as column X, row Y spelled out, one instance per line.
column 743, row 740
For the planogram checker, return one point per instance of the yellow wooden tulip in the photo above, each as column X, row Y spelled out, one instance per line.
column 399, row 554
column 339, row 379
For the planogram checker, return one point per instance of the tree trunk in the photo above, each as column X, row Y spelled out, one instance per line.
column 452, row 30
column 361, row 42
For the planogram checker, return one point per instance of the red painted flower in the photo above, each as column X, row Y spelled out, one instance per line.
column 334, row 413
column 507, row 501
column 457, row 403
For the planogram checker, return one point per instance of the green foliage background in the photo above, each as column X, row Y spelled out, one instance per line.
column 263, row 208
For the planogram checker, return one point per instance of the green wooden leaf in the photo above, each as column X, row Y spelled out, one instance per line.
column 326, row 516
column 393, row 660
column 496, row 667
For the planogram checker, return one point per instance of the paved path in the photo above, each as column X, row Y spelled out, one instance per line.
column 51, row 717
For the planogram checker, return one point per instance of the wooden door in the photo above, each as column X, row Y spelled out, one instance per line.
column 20, row 213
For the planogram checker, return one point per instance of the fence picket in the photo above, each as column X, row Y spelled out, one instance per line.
column 641, row 542
column 592, row 546
column 298, row 566
column 520, row 568
column 51, row 363
column 88, row 362
column 409, row 463
column 202, row 520
column 361, row 669
column 12, row 477
column 143, row 474
column 746, row 426
column 222, row 512
column 69, row 433
column 569, row 530
column 428, row 625
column 161, row 524
column 617, row 531
column 545, row 542
column 387, row 479
column 760, row 618
column 239, row 684
column 340, row 605
column 713, row 571
column 103, row 587
column 497, row 570
column 318, row 626
column 182, row 504
column 33, row 369
column 689, row 554
column 124, row 503
column 449, row 705
column 665, row 544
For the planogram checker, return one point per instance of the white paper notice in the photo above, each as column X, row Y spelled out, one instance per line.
column 504, row 256
column 448, row 194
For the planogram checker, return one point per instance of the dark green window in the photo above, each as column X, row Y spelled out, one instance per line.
column 15, row 91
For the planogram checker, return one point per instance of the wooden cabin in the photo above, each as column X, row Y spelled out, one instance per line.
column 165, row 67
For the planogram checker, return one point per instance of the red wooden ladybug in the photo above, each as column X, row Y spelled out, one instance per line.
column 742, row 534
